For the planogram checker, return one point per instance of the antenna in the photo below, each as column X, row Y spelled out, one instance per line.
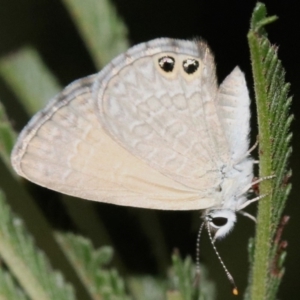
column 229, row 276
column 197, row 277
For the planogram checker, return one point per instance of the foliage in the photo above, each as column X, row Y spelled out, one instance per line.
column 274, row 121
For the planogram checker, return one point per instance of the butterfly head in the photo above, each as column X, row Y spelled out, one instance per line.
column 219, row 221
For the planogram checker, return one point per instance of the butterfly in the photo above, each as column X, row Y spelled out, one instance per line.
column 153, row 129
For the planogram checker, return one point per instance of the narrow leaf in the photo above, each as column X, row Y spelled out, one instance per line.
column 88, row 263
column 183, row 281
column 147, row 288
column 101, row 28
column 7, row 137
column 271, row 93
column 28, row 264
column 9, row 290
column 29, row 78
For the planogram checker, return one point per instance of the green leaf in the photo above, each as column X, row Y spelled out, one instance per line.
column 260, row 20
column 28, row 264
column 101, row 28
column 88, row 263
column 147, row 288
column 30, row 80
column 273, row 104
column 184, row 284
column 7, row 137
column 9, row 290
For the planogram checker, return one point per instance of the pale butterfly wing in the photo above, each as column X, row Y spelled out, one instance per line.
column 136, row 138
column 233, row 109
column 168, row 119
column 64, row 148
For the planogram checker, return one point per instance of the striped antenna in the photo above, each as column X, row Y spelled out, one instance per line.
column 197, row 277
column 229, row 276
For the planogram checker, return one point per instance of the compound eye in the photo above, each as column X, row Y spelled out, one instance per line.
column 167, row 63
column 219, row 221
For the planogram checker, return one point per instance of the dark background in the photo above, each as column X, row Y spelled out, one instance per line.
column 46, row 25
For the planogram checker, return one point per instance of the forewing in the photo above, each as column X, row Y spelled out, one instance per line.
column 65, row 148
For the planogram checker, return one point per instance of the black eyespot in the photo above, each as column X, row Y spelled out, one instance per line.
column 190, row 65
column 219, row 221
column 167, row 63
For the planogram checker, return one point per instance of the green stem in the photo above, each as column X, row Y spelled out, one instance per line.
column 263, row 229
column 264, row 219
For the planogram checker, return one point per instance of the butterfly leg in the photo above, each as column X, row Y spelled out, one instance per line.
column 261, row 179
column 251, row 201
column 252, row 148
column 248, row 187
column 248, row 153
column 245, row 214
